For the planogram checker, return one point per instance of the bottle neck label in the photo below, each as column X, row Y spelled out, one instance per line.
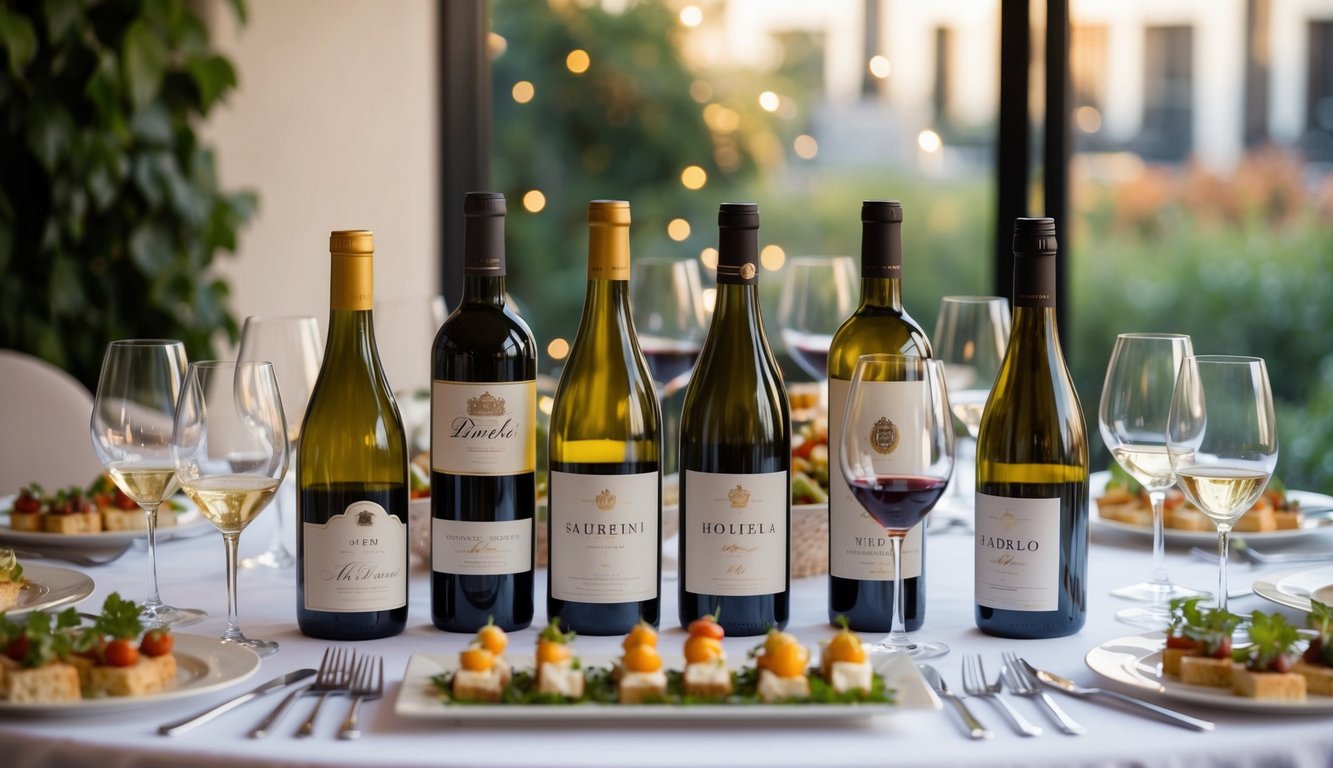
column 352, row 282
column 881, row 250
column 1034, row 280
column 484, row 246
column 738, row 256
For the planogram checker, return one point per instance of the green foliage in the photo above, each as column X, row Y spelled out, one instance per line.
column 110, row 208
column 1271, row 637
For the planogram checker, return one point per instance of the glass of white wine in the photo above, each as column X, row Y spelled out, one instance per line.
column 230, row 452
column 133, row 415
column 293, row 344
column 1136, row 399
column 1222, row 441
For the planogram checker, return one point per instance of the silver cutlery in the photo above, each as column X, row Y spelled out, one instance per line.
column 335, row 678
column 974, row 727
column 1246, row 552
column 193, row 721
column 974, row 682
column 328, row 666
column 1074, row 689
column 367, row 685
column 1022, row 683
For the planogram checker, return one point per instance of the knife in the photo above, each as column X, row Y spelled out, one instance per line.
column 974, row 727
column 1161, row 713
column 189, row 723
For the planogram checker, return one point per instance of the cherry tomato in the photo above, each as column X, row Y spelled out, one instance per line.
column 642, row 658
column 706, row 626
column 700, row 648
column 1281, row 665
column 17, row 649
column 552, row 653
column 476, row 659
column 1182, row 642
column 642, row 634
column 493, row 639
column 121, row 653
column 1223, row 649
column 788, row 660
column 156, row 642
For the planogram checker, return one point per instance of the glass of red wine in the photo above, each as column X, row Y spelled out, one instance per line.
column 897, row 456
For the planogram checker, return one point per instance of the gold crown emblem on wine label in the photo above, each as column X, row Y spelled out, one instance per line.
column 739, row 497
column 606, row 501
column 365, row 518
column 747, row 271
column 884, row 436
column 1008, row 520
column 486, row 405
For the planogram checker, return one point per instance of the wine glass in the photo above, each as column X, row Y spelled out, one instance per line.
column 1222, row 441
column 897, row 457
column 818, row 294
column 294, row 346
column 1136, row 400
column 133, row 414
column 230, row 452
column 971, row 335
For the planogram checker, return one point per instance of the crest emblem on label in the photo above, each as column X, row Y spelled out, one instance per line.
column 606, row 501
column 486, row 405
column 747, row 271
column 739, row 497
column 884, row 436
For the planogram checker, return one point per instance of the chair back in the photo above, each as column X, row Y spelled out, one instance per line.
column 44, row 420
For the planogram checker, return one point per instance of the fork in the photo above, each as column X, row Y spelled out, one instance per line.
column 1024, row 683
column 367, row 685
column 336, row 678
column 1264, row 558
column 974, row 682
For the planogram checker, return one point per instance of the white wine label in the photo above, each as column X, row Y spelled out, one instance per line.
column 356, row 561
column 483, row 428
column 474, row 548
column 737, row 533
column 1018, row 553
column 606, row 537
column 858, row 546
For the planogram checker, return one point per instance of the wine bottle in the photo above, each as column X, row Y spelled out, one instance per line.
column 605, row 447
column 1032, row 467
column 860, row 556
column 735, row 454
column 351, row 551
column 483, row 442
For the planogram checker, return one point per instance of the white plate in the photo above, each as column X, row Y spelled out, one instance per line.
column 50, row 586
column 1136, row 661
column 417, row 698
column 1293, row 588
column 203, row 664
column 1097, row 485
column 188, row 522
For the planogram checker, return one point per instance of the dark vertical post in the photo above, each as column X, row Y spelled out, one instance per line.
column 1257, row 13
column 1055, row 147
column 870, row 84
column 465, row 127
column 1011, row 149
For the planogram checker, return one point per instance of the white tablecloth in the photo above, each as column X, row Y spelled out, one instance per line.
column 192, row 574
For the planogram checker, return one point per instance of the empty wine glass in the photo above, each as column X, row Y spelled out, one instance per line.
column 230, row 452
column 1136, row 400
column 897, row 456
column 295, row 348
column 818, row 294
column 133, row 415
column 1222, row 441
column 971, row 335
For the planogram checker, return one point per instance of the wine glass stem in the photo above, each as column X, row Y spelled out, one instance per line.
column 1158, row 501
column 898, row 629
column 233, row 632
column 1223, row 539
column 154, row 600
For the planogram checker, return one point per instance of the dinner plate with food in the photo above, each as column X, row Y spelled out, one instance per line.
column 777, row 681
column 65, row 663
column 1279, row 669
column 1294, row 589
column 28, row 587
column 97, row 517
column 1119, row 504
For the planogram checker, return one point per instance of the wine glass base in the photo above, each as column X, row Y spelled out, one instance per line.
column 916, row 649
column 260, row 647
column 1153, row 592
column 277, row 559
column 167, row 616
column 1146, row 617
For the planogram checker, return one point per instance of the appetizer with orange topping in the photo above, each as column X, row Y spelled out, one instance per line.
column 843, row 662
column 483, row 670
column 558, row 670
column 641, row 677
column 706, row 674
column 782, row 661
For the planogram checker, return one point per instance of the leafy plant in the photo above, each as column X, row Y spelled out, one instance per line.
column 110, row 207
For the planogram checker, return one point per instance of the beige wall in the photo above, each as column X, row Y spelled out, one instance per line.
column 335, row 124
